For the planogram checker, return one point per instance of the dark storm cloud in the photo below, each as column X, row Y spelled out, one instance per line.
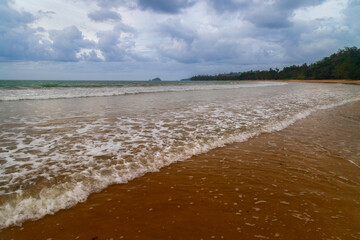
column 104, row 15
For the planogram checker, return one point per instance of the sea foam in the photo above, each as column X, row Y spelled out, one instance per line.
column 78, row 92
column 56, row 161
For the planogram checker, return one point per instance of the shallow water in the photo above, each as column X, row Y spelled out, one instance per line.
column 298, row 183
column 55, row 152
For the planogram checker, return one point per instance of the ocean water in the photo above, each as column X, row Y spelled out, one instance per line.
column 58, row 144
column 30, row 90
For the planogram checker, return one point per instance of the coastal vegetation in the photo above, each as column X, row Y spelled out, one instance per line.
column 345, row 64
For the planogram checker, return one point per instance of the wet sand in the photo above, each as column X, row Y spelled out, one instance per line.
column 345, row 81
column 299, row 183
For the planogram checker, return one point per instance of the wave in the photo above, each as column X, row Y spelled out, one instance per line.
column 57, row 197
column 77, row 92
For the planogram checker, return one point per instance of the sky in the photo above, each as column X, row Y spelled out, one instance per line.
column 170, row 39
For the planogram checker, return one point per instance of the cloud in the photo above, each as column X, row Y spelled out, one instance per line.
column 67, row 43
column 11, row 18
column 176, row 30
column 165, row 6
column 47, row 14
column 189, row 45
column 353, row 18
column 20, row 41
column 117, row 44
column 110, row 45
column 89, row 56
column 222, row 6
column 244, row 5
column 158, row 6
column 103, row 15
column 114, row 3
column 269, row 18
column 187, row 35
column 291, row 4
column 17, row 40
column 263, row 14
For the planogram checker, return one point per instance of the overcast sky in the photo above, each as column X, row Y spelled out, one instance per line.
column 170, row 39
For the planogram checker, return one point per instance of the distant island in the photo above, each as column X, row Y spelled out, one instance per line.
column 155, row 79
column 345, row 64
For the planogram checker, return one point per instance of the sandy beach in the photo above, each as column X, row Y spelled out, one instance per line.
column 299, row 183
column 181, row 120
column 345, row 81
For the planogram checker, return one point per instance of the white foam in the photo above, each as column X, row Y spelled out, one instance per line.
column 56, row 93
column 130, row 146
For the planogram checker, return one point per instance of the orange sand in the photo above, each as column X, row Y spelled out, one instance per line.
column 357, row 82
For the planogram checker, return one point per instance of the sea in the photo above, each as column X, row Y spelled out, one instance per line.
column 61, row 141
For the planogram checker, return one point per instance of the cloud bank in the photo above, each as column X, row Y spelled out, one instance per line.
column 123, row 39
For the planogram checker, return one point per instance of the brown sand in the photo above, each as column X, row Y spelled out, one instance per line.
column 345, row 81
column 294, row 184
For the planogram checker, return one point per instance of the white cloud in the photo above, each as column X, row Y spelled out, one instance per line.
column 329, row 9
column 178, row 38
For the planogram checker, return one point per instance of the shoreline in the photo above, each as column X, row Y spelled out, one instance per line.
column 343, row 81
column 271, row 186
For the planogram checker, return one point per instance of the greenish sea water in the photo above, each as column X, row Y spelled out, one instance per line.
column 19, row 84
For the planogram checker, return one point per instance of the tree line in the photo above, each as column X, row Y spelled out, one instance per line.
column 345, row 64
